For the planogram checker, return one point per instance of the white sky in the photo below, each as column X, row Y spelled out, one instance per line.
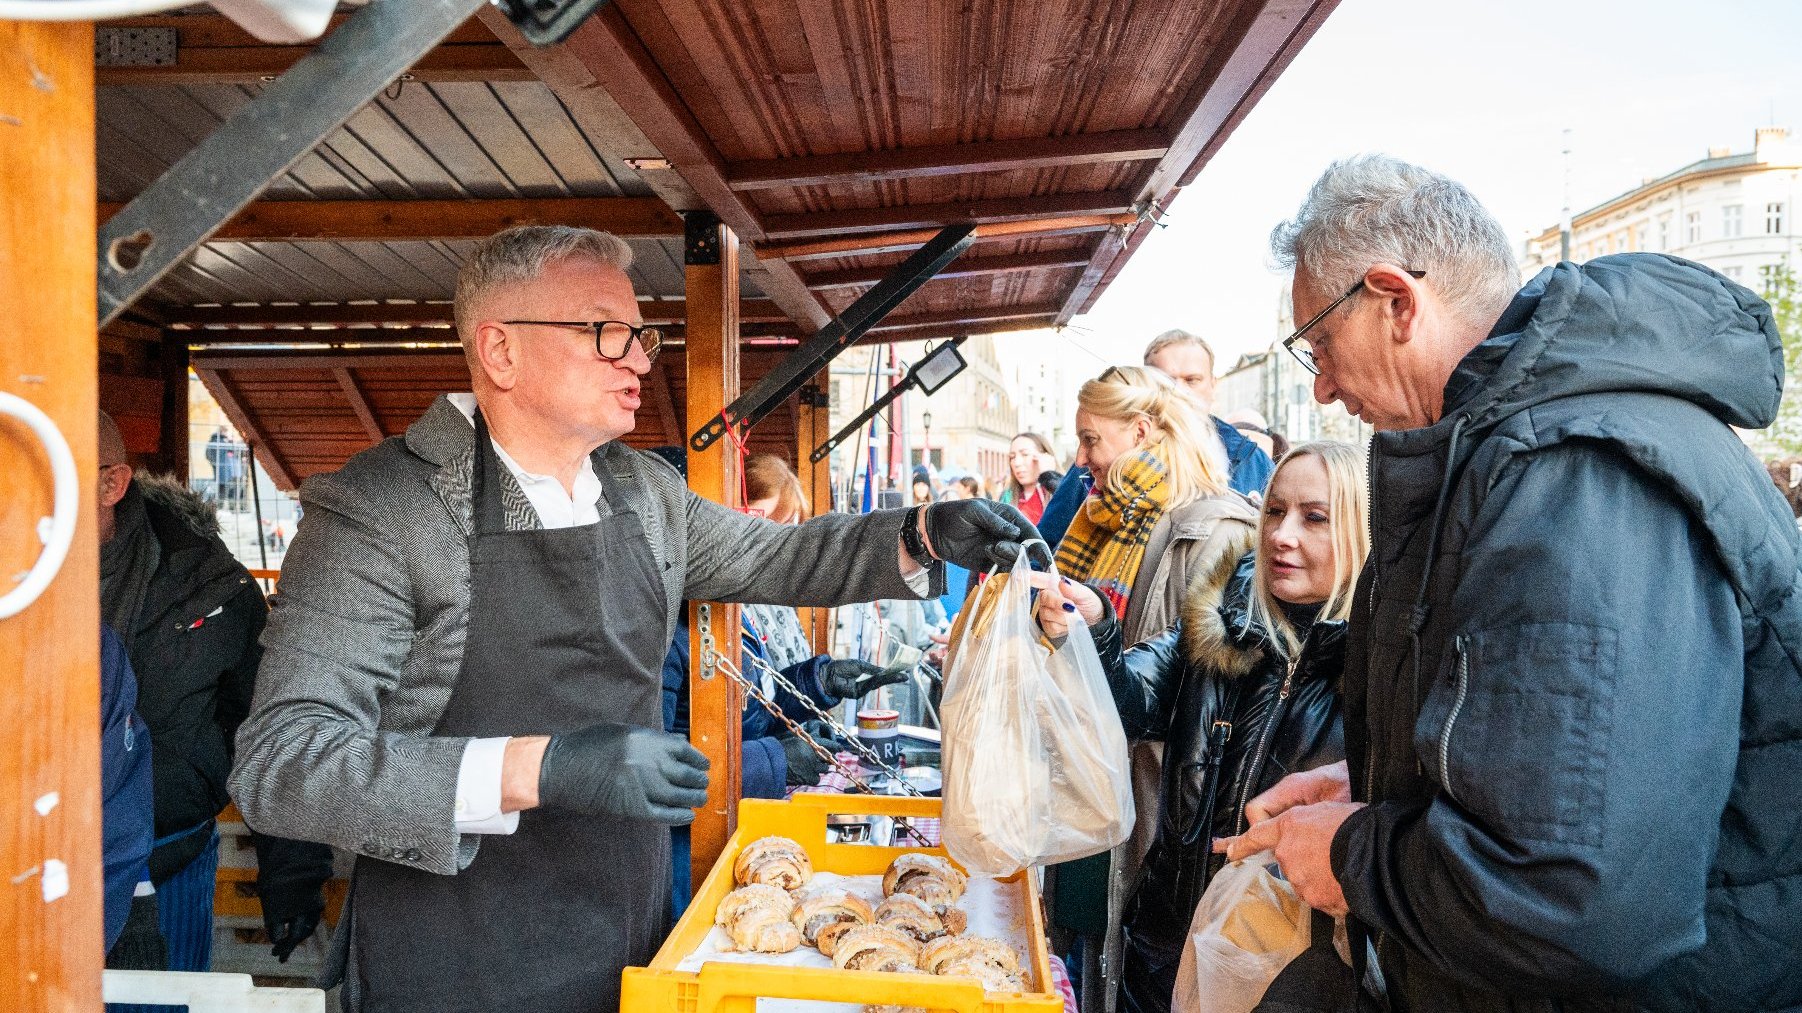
column 1478, row 90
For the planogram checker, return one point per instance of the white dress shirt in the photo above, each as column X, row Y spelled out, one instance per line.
column 479, row 775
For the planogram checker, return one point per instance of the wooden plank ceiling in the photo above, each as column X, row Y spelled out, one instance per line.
column 833, row 136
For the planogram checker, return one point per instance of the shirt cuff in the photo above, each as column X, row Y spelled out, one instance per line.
column 919, row 580
column 479, row 789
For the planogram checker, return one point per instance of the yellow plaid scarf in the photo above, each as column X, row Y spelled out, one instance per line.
column 1106, row 541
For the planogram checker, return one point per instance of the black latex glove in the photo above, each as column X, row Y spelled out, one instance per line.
column 977, row 533
column 623, row 770
column 848, row 679
column 804, row 765
column 290, row 914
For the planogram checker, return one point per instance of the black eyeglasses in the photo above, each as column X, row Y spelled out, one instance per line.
column 1304, row 353
column 612, row 338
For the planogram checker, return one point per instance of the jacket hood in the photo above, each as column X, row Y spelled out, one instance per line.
column 176, row 499
column 1637, row 322
column 1217, row 632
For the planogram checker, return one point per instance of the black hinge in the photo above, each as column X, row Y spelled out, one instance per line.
column 700, row 238
column 545, row 22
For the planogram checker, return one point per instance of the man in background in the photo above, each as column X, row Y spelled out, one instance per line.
column 189, row 615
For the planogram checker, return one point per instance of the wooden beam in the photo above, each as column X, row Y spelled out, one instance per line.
column 359, row 402
column 424, row 360
column 813, row 426
column 436, row 220
column 970, row 315
column 948, row 159
column 172, row 453
column 921, row 216
column 659, row 311
column 1256, row 50
column 946, row 329
column 714, row 703
column 663, row 400
column 889, row 242
column 224, row 391
column 256, row 64
column 963, row 267
column 50, row 895
column 207, row 30
column 602, row 73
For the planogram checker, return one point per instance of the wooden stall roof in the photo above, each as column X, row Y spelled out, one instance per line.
column 832, row 136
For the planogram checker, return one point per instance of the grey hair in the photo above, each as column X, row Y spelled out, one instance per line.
column 521, row 253
column 1176, row 338
column 1378, row 209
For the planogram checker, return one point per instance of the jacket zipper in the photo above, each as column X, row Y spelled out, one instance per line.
column 1257, row 758
column 1370, row 610
column 1445, row 736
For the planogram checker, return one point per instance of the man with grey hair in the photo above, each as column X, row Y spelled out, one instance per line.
column 1573, row 696
column 462, row 670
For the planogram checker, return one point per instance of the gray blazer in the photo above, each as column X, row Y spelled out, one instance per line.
column 365, row 637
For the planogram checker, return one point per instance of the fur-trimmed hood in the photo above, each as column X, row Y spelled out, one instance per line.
column 1215, row 598
column 174, row 496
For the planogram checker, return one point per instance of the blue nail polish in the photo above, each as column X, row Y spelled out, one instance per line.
column 1069, row 607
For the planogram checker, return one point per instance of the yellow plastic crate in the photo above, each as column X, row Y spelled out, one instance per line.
column 735, row 987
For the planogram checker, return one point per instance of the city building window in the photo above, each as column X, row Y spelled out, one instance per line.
column 1664, row 232
column 1639, row 237
column 1692, row 227
column 1735, row 272
column 1730, row 220
column 1773, row 219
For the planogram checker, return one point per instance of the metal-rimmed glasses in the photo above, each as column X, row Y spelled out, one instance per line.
column 612, row 338
column 1304, row 353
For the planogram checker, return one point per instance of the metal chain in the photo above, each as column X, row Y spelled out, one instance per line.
column 863, row 752
column 757, row 694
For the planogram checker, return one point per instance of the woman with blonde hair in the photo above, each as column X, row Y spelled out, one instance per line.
column 1161, row 513
column 1242, row 690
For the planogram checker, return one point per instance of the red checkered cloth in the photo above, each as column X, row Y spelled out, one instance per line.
column 833, row 781
column 1060, row 983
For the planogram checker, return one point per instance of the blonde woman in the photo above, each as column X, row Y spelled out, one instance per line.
column 1161, row 513
column 1241, row 691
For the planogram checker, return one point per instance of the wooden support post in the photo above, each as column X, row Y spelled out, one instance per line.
column 714, row 701
column 50, row 899
column 173, row 436
column 813, row 426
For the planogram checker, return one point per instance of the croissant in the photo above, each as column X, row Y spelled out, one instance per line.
column 876, row 948
column 947, row 950
column 759, row 918
column 915, row 917
column 778, row 861
column 992, row 978
column 929, row 877
column 826, row 913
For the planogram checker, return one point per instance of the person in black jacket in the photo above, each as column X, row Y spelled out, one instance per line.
column 189, row 615
column 1242, row 690
column 1572, row 681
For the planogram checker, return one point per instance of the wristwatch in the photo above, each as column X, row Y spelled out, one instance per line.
column 911, row 540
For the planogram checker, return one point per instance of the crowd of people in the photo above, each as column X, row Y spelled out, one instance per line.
column 1514, row 698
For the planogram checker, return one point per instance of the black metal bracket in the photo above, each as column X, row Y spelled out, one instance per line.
column 546, row 22
column 793, row 372
column 700, row 238
column 909, row 382
column 814, row 397
column 262, row 140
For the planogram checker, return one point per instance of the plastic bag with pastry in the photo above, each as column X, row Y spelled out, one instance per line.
column 823, row 914
column 1248, row 926
column 777, row 861
column 759, row 918
column 1028, row 731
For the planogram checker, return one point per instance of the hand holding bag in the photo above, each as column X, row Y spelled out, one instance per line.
column 1248, row 926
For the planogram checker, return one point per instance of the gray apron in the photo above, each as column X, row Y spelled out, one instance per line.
column 566, row 629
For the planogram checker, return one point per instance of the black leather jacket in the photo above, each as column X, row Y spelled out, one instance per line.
column 1235, row 717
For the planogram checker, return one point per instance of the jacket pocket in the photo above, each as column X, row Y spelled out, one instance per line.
column 1516, row 727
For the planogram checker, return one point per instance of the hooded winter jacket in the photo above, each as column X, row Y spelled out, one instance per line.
column 1236, row 714
column 1574, row 675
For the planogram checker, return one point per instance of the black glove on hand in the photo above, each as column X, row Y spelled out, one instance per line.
column 623, row 770
column 851, row 680
column 977, row 533
column 804, row 765
column 290, row 914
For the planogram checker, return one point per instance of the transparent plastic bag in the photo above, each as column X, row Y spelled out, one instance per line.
column 1248, row 926
column 1034, row 756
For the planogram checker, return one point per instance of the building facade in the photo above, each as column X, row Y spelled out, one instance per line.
column 973, row 417
column 1276, row 386
column 1733, row 212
